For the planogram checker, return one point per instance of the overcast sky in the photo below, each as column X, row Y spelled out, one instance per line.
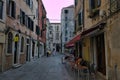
column 53, row 8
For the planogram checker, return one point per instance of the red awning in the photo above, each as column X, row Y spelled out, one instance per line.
column 97, row 26
column 72, row 41
column 69, row 45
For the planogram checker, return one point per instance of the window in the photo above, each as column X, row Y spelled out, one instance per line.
column 75, row 24
column 65, row 11
column 29, row 3
column 30, row 24
column 37, row 13
column 57, row 28
column 50, row 32
column 1, row 9
column 66, row 18
column 10, row 41
column 80, row 18
column 76, row 1
column 37, row 30
column 94, row 3
column 70, row 34
column 65, row 25
column 66, row 38
column 22, row 44
column 57, row 36
column 26, row 20
column 11, row 8
column 114, row 5
column 66, row 33
column 22, row 17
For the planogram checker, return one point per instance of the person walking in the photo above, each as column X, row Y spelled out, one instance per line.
column 54, row 52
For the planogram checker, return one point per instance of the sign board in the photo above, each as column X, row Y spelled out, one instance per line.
column 2, row 38
column 16, row 39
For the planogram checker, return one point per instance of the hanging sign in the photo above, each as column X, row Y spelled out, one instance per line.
column 16, row 39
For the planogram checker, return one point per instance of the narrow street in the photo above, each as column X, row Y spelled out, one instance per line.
column 45, row 68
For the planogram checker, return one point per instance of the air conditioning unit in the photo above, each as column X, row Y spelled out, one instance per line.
column 102, row 13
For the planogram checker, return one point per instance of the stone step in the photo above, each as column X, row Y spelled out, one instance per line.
column 16, row 65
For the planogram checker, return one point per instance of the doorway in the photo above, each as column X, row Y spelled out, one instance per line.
column 27, row 50
column 100, row 50
column 16, row 51
column 1, row 47
column 33, row 48
column 57, row 47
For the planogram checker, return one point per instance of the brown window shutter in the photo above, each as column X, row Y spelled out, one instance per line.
column 8, row 7
column 13, row 9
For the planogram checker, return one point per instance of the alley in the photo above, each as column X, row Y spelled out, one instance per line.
column 45, row 68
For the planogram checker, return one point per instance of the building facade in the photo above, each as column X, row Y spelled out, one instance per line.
column 99, row 43
column 56, row 33
column 21, row 38
column 21, row 32
column 67, row 24
column 42, row 24
column 49, row 36
column 2, row 32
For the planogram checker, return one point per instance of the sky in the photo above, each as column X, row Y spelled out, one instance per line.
column 53, row 8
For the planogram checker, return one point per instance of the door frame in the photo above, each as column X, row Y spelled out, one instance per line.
column 1, row 59
column 16, row 44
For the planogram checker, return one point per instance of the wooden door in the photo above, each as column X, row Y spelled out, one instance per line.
column 100, row 50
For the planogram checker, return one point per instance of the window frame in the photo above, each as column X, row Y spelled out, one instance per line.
column 1, row 10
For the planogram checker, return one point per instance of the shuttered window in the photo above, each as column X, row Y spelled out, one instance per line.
column 1, row 9
column 22, row 17
column 11, row 8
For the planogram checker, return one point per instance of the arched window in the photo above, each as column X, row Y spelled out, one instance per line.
column 22, row 44
column 10, row 41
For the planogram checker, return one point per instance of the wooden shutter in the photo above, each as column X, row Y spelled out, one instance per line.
column 8, row 7
column 13, row 12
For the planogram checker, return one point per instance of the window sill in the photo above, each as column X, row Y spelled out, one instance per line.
column 9, row 54
column 21, row 52
column 2, row 21
column 11, row 17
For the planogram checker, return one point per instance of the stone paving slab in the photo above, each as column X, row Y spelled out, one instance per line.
column 45, row 68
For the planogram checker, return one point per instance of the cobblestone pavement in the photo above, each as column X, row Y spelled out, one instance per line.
column 45, row 68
